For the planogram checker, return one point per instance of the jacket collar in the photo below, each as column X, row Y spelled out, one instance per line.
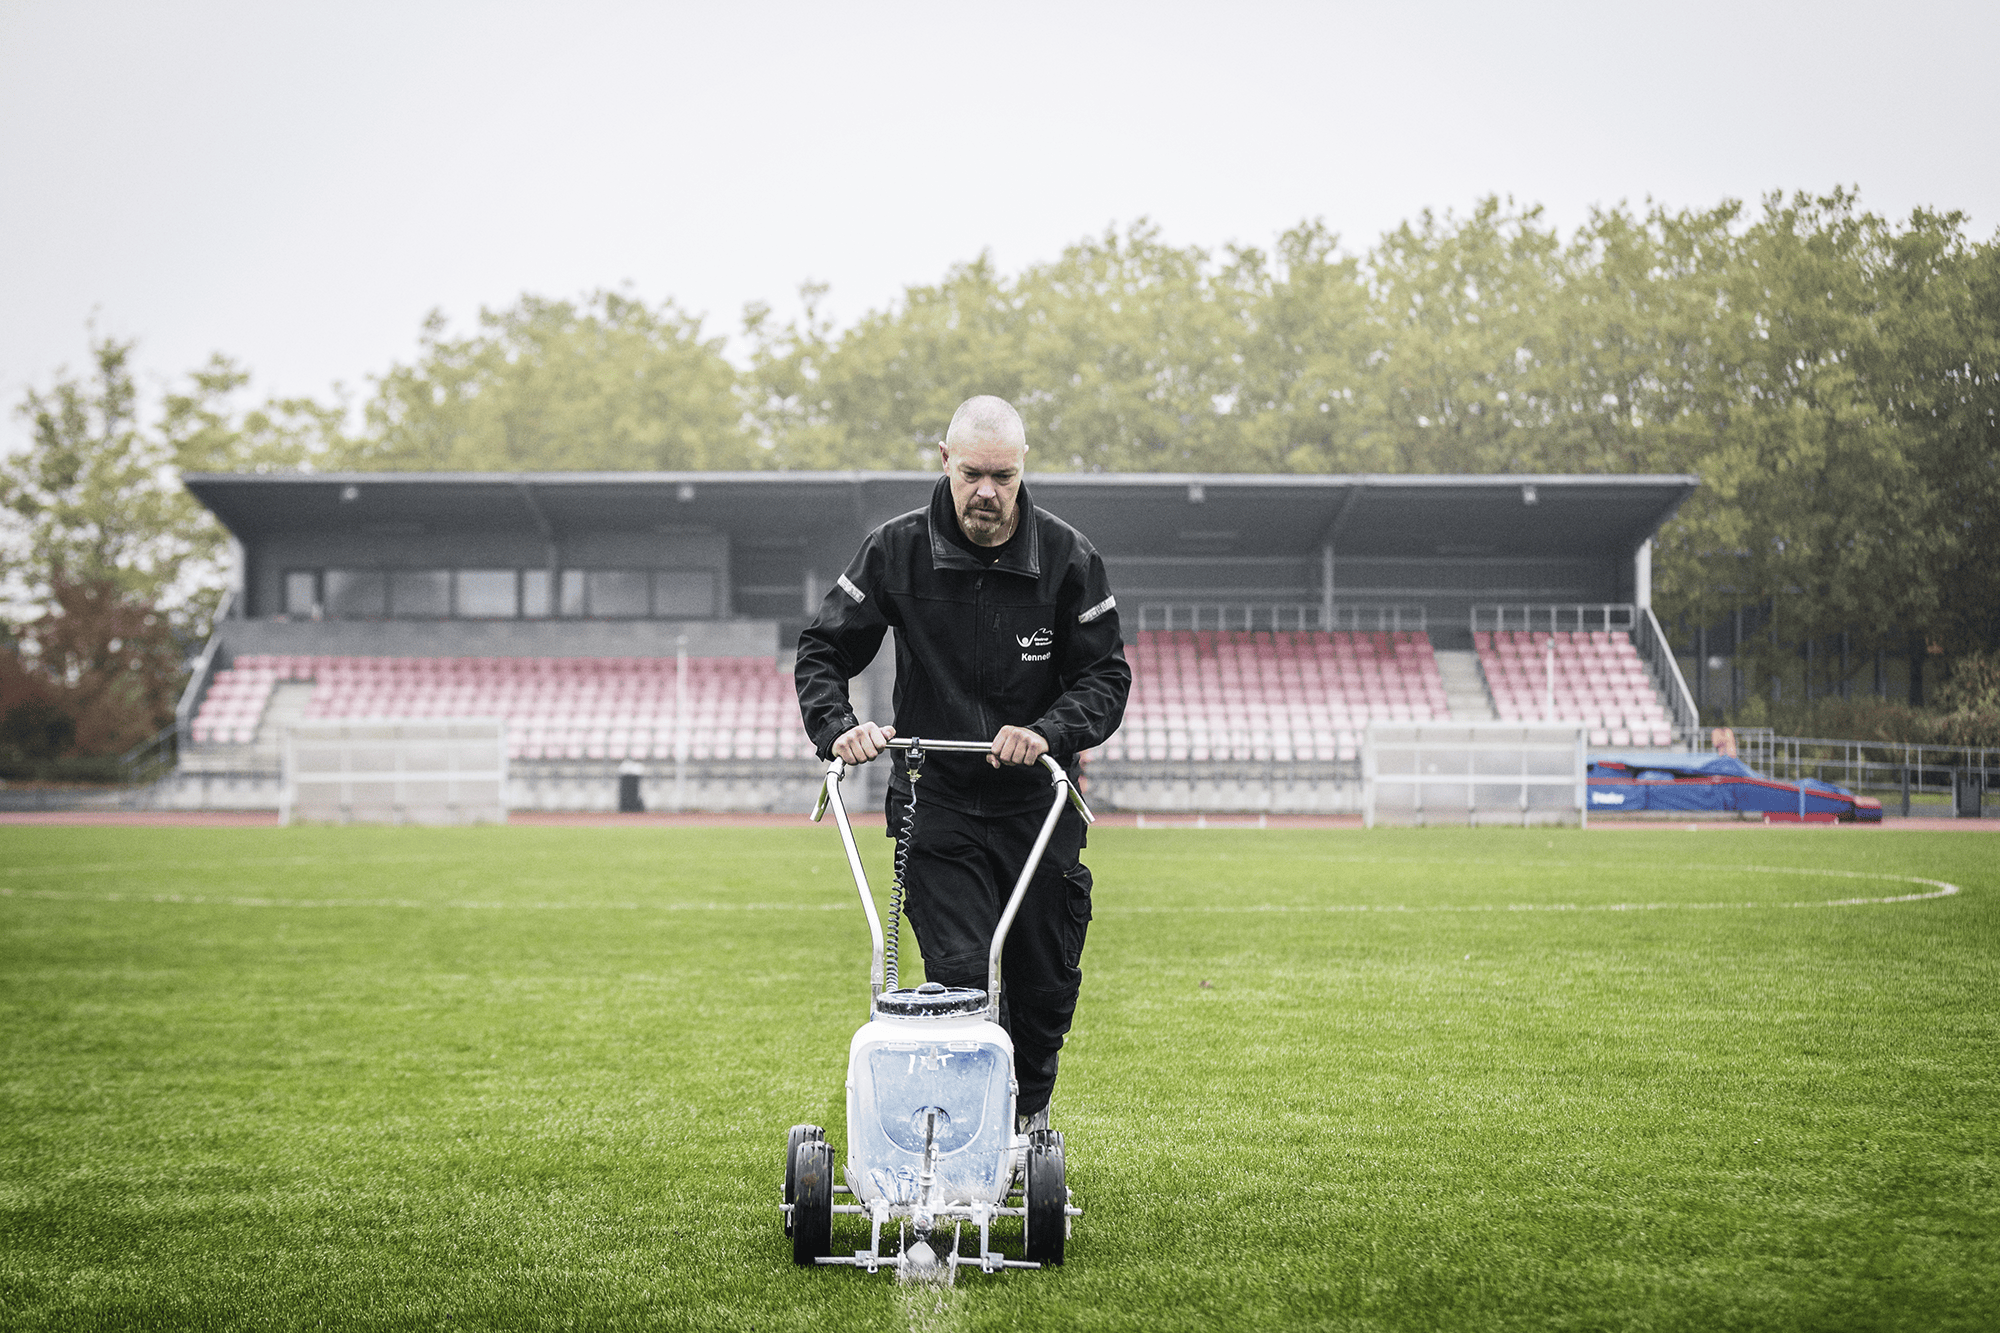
column 1024, row 559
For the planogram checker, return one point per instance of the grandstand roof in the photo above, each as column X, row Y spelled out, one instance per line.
column 1135, row 513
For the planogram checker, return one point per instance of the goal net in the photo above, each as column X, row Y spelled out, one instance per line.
column 1473, row 773
column 407, row 771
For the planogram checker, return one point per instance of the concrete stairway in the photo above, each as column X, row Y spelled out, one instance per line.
column 1465, row 686
column 265, row 754
column 288, row 704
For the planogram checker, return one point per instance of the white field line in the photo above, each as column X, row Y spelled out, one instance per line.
column 1938, row 888
column 460, row 905
column 928, row 1307
column 1934, row 888
column 234, row 863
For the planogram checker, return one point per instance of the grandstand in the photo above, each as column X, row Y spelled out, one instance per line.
column 647, row 619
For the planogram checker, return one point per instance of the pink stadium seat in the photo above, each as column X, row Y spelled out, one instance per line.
column 1287, row 695
column 557, row 708
column 1598, row 675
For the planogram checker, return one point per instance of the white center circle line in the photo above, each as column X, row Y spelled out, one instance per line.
column 1936, row 888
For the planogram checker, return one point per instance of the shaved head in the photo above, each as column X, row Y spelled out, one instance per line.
column 983, row 454
column 986, row 420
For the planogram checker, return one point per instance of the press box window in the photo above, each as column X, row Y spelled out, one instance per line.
column 684, row 593
column 572, row 592
column 487, row 594
column 420, row 594
column 535, row 594
column 356, row 594
column 301, row 592
column 618, row 593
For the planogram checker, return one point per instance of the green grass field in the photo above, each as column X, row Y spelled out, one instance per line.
column 541, row 1078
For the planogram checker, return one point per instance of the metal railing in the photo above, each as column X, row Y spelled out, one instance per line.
column 203, row 668
column 1903, row 769
column 1280, row 616
column 1613, row 617
column 151, row 759
column 1658, row 655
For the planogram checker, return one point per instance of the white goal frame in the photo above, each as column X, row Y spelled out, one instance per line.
column 395, row 771
column 1472, row 773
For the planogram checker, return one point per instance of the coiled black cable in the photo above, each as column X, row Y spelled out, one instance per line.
column 893, row 931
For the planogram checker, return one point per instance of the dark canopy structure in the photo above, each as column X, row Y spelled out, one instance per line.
column 1136, row 514
column 769, row 543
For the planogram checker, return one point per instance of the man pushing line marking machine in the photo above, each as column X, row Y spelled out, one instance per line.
column 930, row 1100
column 1005, row 627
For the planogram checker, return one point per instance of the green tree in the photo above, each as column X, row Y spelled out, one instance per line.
column 1304, row 356
column 112, row 566
column 1132, row 350
column 1618, row 375
column 95, row 674
column 1121, row 354
column 1457, row 309
column 610, row 384
column 1815, row 500
column 96, row 496
column 91, row 498
column 880, row 395
column 1942, row 389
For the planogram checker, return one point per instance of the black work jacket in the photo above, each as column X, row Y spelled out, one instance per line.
column 1030, row 641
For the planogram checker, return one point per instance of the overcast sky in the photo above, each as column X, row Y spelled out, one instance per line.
column 298, row 184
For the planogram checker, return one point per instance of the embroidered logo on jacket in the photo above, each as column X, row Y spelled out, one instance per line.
column 1041, row 638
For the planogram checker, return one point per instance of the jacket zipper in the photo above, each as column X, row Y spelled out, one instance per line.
column 979, row 655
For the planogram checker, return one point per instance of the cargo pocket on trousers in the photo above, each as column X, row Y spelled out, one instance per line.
column 1076, row 922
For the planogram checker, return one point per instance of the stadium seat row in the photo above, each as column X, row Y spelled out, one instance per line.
column 556, row 708
column 1197, row 695
column 1282, row 696
column 1593, row 677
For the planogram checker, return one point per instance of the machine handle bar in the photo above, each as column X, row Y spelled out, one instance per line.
column 986, row 747
column 836, row 769
column 829, row 794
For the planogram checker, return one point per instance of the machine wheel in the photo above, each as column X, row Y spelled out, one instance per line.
column 812, row 1201
column 800, row 1134
column 1046, row 1226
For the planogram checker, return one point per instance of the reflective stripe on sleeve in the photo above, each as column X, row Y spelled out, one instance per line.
column 1096, row 611
column 847, row 586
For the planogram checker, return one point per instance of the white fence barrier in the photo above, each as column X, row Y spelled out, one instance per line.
column 1617, row 617
column 1278, row 616
column 400, row 771
column 1473, row 773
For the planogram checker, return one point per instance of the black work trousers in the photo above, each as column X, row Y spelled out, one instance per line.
column 961, row 869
